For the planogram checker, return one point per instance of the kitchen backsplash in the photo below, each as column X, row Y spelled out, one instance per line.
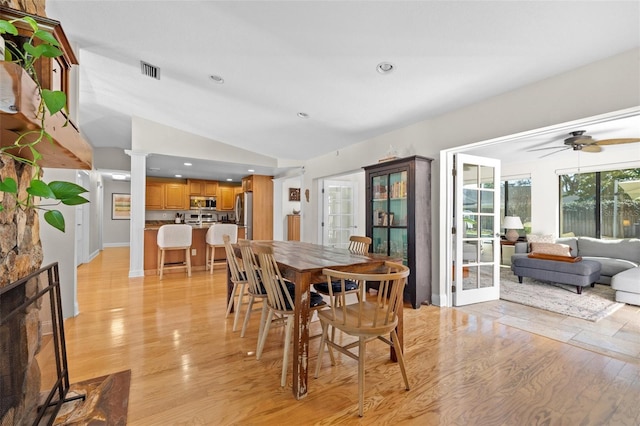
column 164, row 215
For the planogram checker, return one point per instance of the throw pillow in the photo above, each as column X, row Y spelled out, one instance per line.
column 552, row 249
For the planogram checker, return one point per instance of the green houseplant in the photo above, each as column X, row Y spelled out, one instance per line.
column 41, row 44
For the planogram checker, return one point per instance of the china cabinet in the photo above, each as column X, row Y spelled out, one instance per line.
column 398, row 219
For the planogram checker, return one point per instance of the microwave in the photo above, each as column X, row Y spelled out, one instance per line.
column 202, row 203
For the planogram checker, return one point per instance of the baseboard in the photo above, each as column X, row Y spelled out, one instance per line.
column 123, row 244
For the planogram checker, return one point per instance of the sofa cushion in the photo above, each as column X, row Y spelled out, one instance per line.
column 611, row 267
column 551, row 248
column 616, row 249
column 628, row 281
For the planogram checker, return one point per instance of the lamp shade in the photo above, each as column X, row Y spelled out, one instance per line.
column 512, row 222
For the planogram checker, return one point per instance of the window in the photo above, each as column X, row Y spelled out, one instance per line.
column 516, row 201
column 602, row 204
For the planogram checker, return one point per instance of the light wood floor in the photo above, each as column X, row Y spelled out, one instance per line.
column 466, row 367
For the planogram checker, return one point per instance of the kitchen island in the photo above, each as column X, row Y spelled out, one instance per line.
column 198, row 248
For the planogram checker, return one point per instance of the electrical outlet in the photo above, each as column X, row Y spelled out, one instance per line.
column 164, row 215
column 193, row 252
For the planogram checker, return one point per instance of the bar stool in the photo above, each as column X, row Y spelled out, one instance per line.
column 214, row 239
column 174, row 237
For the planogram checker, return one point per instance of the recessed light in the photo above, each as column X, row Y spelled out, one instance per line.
column 178, row 175
column 303, row 115
column 216, row 79
column 154, row 169
column 251, row 170
column 229, row 180
column 188, row 164
column 117, row 176
column 385, row 67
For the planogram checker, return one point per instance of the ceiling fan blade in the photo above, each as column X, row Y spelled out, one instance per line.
column 544, row 149
column 551, row 153
column 591, row 148
column 617, row 141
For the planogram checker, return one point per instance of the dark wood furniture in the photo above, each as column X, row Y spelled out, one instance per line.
column 302, row 263
column 398, row 203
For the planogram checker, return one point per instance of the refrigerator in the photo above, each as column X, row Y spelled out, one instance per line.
column 244, row 213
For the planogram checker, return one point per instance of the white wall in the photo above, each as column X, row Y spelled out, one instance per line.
column 116, row 232
column 60, row 246
column 598, row 88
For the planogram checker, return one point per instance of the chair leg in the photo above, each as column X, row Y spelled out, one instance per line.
column 263, row 335
column 161, row 262
column 361, row 356
column 241, row 294
column 188, row 255
column 231, row 300
column 246, row 316
column 263, row 317
column 285, row 356
column 400, row 355
column 323, row 339
column 213, row 254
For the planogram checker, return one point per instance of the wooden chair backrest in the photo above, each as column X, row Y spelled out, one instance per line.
column 251, row 268
column 232, row 260
column 278, row 296
column 359, row 244
column 369, row 312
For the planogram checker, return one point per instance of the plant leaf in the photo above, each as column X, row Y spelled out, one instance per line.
column 55, row 219
column 46, row 37
column 50, row 51
column 9, row 185
column 74, row 201
column 32, row 22
column 35, row 51
column 7, row 27
column 64, row 190
column 38, row 188
column 54, row 100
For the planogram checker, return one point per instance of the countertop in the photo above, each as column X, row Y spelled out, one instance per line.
column 153, row 225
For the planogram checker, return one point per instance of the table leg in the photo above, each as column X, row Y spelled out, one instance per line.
column 301, row 340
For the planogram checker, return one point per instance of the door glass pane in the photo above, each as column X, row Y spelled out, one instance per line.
column 486, row 201
column 470, row 176
column 487, row 177
column 398, row 243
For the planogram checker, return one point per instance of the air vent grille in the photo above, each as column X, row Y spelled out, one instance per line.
column 150, row 70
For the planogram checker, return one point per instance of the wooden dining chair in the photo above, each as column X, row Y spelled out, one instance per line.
column 280, row 303
column 357, row 244
column 238, row 278
column 256, row 291
column 174, row 237
column 371, row 318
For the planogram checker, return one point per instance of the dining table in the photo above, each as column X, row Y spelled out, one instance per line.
column 302, row 263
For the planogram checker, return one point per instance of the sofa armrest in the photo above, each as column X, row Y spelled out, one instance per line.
column 521, row 247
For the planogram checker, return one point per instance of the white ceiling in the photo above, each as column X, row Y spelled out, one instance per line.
column 319, row 57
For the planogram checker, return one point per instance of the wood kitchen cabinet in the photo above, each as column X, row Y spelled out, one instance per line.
column 226, row 197
column 166, row 194
column 203, row 188
column 210, row 188
column 398, row 218
column 262, row 221
column 247, row 184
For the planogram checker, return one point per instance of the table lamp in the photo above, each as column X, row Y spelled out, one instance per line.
column 511, row 223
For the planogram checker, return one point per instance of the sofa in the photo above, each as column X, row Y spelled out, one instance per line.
column 619, row 262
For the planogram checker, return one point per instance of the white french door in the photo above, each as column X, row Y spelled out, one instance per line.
column 476, row 241
column 339, row 209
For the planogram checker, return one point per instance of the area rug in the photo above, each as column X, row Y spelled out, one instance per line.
column 593, row 304
column 106, row 402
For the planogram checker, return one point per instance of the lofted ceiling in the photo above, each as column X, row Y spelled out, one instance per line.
column 282, row 58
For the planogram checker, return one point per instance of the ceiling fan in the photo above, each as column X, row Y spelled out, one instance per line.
column 578, row 140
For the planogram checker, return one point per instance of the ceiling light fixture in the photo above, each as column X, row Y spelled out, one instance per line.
column 303, row 115
column 178, row 176
column 117, row 176
column 229, row 180
column 385, row 67
column 251, row 170
column 216, row 79
column 188, row 164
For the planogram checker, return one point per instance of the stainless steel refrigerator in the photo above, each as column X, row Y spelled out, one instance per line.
column 244, row 212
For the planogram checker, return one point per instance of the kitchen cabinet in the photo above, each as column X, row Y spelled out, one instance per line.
column 247, row 184
column 226, row 197
column 293, row 227
column 203, row 188
column 154, row 196
column 166, row 194
column 398, row 219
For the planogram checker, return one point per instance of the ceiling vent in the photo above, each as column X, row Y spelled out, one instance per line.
column 150, row 70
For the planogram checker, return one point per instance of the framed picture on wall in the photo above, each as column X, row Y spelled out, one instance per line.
column 294, row 194
column 120, row 206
